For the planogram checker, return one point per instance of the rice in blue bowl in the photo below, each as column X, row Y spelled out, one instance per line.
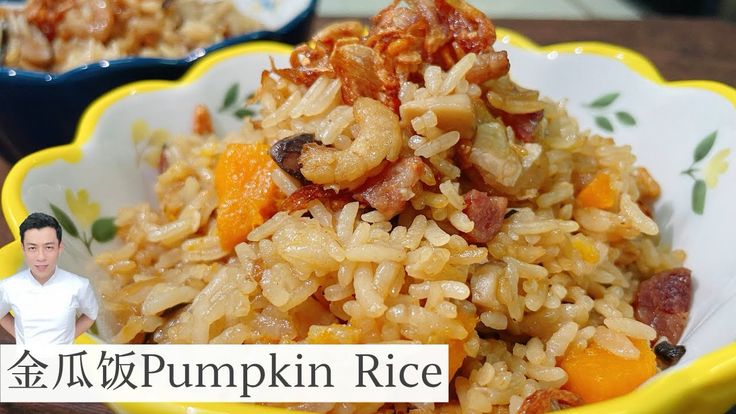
column 42, row 102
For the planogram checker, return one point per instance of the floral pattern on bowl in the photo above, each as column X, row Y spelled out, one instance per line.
column 664, row 124
column 87, row 226
column 713, row 169
column 601, row 109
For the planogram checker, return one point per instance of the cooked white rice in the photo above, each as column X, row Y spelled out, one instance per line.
column 557, row 276
column 56, row 36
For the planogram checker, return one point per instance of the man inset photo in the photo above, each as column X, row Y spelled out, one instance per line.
column 44, row 298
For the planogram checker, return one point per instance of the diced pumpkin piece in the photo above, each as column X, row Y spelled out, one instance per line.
column 457, row 355
column 456, row 347
column 596, row 374
column 333, row 334
column 235, row 219
column 598, row 193
column 247, row 196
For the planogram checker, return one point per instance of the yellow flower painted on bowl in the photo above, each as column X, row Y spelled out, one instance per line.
column 84, row 210
column 715, row 167
column 149, row 143
column 139, row 131
column 84, row 223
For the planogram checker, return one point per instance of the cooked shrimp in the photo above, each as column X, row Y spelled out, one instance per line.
column 379, row 138
column 363, row 72
column 399, row 41
column 330, row 34
column 311, row 60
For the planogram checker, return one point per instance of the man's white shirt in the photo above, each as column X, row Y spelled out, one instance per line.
column 46, row 314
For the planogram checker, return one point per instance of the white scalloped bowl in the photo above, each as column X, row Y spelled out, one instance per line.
column 663, row 122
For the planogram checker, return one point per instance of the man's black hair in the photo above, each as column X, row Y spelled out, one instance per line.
column 39, row 221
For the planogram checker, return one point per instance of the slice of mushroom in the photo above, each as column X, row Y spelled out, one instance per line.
column 286, row 154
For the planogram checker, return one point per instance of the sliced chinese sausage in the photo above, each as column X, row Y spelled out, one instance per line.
column 663, row 302
column 301, row 198
column 389, row 191
column 487, row 213
column 523, row 125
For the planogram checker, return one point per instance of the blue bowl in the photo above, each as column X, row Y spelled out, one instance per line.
column 39, row 109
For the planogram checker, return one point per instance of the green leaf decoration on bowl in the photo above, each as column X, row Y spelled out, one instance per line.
column 65, row 221
column 604, row 123
column 704, row 146
column 602, row 105
column 699, row 190
column 231, row 98
column 243, row 112
column 104, row 229
column 85, row 225
column 625, row 118
column 707, row 177
column 604, row 100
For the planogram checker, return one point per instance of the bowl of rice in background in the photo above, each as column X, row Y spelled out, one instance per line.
column 332, row 200
column 57, row 57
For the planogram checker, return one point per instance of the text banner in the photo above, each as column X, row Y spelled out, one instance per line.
column 224, row 373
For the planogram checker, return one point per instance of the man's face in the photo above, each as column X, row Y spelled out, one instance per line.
column 41, row 248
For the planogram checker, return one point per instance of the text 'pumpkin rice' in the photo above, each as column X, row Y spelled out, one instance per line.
column 421, row 196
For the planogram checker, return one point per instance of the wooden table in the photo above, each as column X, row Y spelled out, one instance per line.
column 679, row 48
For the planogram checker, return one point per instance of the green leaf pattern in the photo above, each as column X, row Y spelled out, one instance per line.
column 602, row 117
column 243, row 112
column 102, row 230
column 697, row 173
column 604, row 100
column 65, row 221
column 704, row 146
column 604, row 123
column 625, row 118
column 699, row 190
column 603, row 114
column 231, row 98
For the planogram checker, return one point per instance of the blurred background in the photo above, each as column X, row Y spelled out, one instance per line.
column 559, row 9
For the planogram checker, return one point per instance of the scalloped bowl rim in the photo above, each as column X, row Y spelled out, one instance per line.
column 710, row 379
column 128, row 62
